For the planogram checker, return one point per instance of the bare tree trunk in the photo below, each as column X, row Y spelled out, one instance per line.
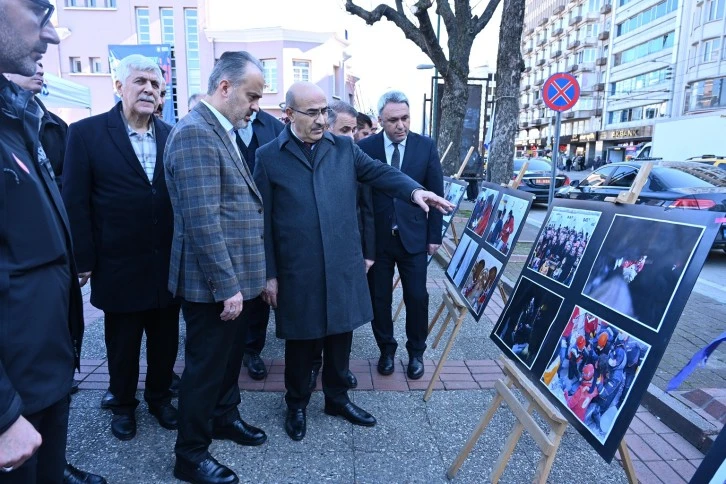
column 453, row 110
column 509, row 72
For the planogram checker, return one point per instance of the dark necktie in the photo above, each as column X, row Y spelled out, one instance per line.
column 396, row 157
column 240, row 144
column 307, row 149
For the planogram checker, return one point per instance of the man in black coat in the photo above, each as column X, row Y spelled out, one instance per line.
column 41, row 310
column 118, row 204
column 261, row 129
column 308, row 179
column 404, row 233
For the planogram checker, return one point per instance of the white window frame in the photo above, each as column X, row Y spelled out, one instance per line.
column 300, row 72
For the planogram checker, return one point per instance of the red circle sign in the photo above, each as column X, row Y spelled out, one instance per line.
column 561, row 91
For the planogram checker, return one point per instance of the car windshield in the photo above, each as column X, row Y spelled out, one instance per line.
column 690, row 175
column 534, row 164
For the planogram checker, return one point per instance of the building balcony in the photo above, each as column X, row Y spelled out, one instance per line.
column 541, row 42
column 539, row 122
column 574, row 44
column 592, row 17
column 598, row 112
column 526, row 70
column 541, row 62
column 606, row 9
column 589, row 41
column 524, row 124
column 543, row 22
column 558, row 9
column 539, row 82
column 568, row 115
column 601, row 61
column 603, row 35
column 526, row 88
column 599, row 87
column 529, row 31
column 575, row 20
column 586, row 67
column 525, row 106
column 557, row 32
column 539, row 102
column 528, row 50
column 572, row 67
column 556, row 54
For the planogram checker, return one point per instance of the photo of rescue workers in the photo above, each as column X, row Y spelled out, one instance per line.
column 524, row 324
column 460, row 261
column 478, row 286
column 508, row 217
column 482, row 212
column 640, row 266
column 454, row 191
column 562, row 243
column 593, row 370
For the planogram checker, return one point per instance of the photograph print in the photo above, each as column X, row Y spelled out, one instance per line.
column 562, row 243
column 454, row 191
column 640, row 266
column 593, row 370
column 461, row 259
column 482, row 212
column 523, row 326
column 481, row 281
column 508, row 217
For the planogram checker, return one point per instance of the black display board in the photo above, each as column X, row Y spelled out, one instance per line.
column 596, row 304
column 491, row 232
column 454, row 191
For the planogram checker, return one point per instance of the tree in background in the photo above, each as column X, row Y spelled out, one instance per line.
column 462, row 28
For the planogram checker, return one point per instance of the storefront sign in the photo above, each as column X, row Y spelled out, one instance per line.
column 584, row 138
column 627, row 133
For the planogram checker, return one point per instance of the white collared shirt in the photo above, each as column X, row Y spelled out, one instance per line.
column 388, row 146
column 226, row 125
column 247, row 132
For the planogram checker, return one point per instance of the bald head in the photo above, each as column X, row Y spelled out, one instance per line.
column 307, row 109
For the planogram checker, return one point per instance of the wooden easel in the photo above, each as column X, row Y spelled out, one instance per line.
column 457, row 310
column 549, row 443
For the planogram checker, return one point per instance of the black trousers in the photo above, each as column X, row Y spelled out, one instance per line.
column 256, row 326
column 412, row 269
column 209, row 389
column 47, row 464
column 124, row 332
column 299, row 355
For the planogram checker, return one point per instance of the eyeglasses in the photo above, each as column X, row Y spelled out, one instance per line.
column 44, row 10
column 314, row 113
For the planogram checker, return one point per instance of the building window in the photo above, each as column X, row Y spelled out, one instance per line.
column 166, row 17
column 661, row 42
column 641, row 81
column 191, row 31
column 269, row 71
column 586, row 55
column 592, row 30
column 143, row 30
column 705, row 95
column 76, row 64
column 711, row 50
column 650, row 111
column 300, row 71
column 692, row 56
column 91, row 3
column 714, row 10
column 696, row 17
column 96, row 66
column 646, row 16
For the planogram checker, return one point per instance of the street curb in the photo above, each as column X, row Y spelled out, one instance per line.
column 678, row 416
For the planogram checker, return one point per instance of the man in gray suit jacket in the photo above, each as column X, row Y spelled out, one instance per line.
column 217, row 262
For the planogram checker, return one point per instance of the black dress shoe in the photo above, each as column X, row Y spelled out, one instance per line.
column 255, row 366
column 313, row 378
column 74, row 386
column 352, row 380
column 123, row 427
column 71, row 475
column 209, row 471
column 385, row 364
column 240, row 432
column 174, row 387
column 352, row 413
column 415, row 368
column 166, row 414
column 108, row 400
column 295, row 423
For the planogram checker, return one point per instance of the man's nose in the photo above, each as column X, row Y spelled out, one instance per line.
column 49, row 35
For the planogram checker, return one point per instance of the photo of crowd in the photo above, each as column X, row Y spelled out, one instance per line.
column 454, row 191
column 562, row 243
column 593, row 369
column 461, row 259
column 637, row 272
column 508, row 216
column 526, row 320
column 480, row 282
column 482, row 212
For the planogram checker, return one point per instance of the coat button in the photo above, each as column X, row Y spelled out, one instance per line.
column 262, row 236
column 156, row 221
column 153, row 191
column 259, row 210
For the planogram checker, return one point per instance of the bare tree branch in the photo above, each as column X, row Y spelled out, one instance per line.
column 444, row 9
column 481, row 22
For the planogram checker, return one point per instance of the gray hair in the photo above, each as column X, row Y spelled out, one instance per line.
column 136, row 62
column 391, row 97
column 231, row 66
column 340, row 107
column 194, row 99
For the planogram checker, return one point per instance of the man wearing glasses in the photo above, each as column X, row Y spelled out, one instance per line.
column 41, row 339
column 315, row 270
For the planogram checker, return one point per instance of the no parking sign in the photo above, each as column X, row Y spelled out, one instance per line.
column 561, row 91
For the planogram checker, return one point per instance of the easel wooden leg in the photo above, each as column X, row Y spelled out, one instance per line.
column 398, row 310
column 441, row 331
column 508, row 448
column 466, row 450
column 545, row 463
column 436, row 317
column 453, row 232
column 445, row 354
column 627, row 462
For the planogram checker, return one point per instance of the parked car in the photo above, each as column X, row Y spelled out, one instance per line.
column 674, row 184
column 715, row 160
column 536, row 179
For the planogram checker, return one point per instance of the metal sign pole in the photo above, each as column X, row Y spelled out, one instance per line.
column 555, row 156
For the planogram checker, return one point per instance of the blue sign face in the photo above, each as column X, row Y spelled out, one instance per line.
column 561, row 92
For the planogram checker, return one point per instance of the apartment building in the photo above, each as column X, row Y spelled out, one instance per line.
column 564, row 36
column 198, row 31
